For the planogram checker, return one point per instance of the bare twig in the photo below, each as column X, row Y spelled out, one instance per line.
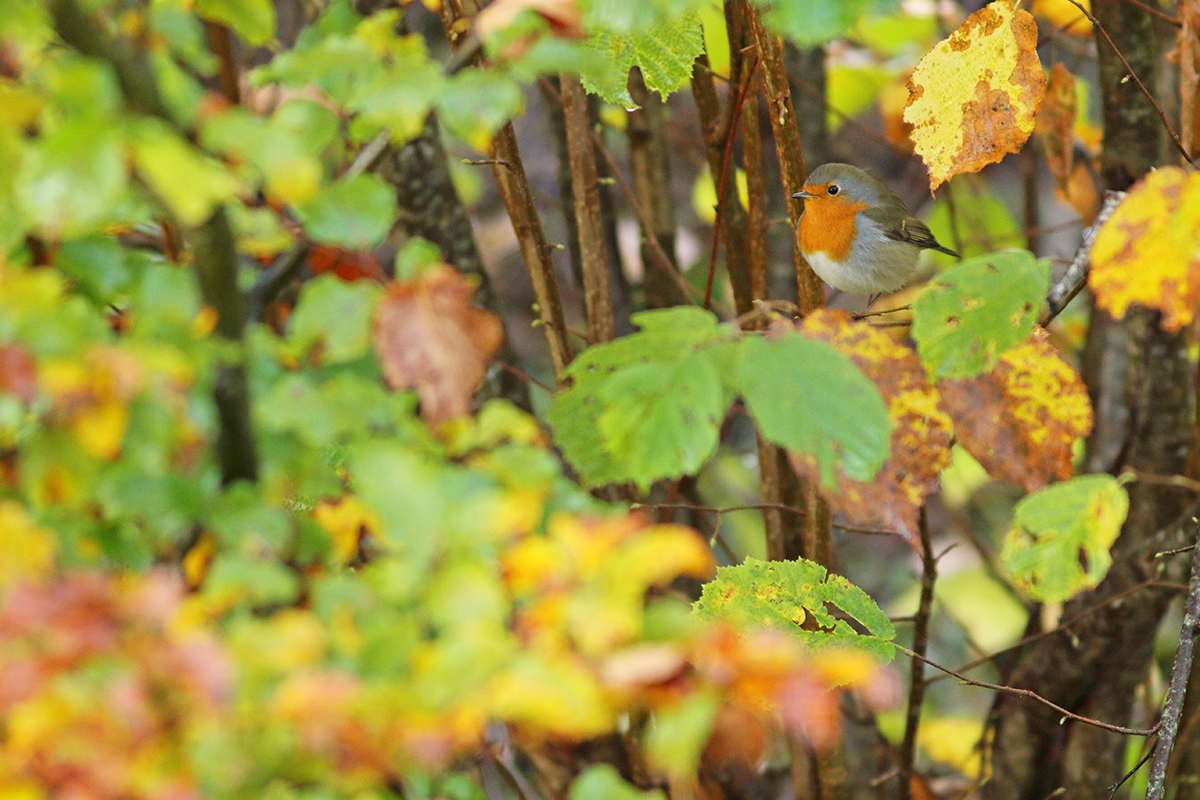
column 995, row 687
column 1182, row 668
column 916, row 683
column 1133, row 75
column 1154, row 12
column 1074, row 279
column 1179, row 481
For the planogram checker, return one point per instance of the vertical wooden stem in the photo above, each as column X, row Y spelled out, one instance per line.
column 586, row 190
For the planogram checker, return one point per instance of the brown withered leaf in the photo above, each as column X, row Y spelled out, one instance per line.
column 430, row 338
column 1056, row 125
column 920, row 444
column 1020, row 421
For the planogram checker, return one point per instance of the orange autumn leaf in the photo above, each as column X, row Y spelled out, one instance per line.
column 1148, row 252
column 972, row 99
column 921, row 430
column 430, row 338
column 1021, row 420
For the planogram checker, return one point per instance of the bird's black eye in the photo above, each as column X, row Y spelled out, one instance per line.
column 833, row 188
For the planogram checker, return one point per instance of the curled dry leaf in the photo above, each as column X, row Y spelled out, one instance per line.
column 972, row 99
column 1148, row 252
column 920, row 443
column 1021, row 420
column 430, row 338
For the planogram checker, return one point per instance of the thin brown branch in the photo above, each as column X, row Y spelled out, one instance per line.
column 995, row 687
column 220, row 41
column 1133, row 75
column 1179, row 481
column 585, row 191
column 917, row 684
column 740, row 279
column 1154, row 12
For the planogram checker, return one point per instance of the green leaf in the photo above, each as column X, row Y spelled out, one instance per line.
column 190, row 183
column 649, row 405
column 811, row 399
column 811, row 22
column 662, row 420
column 665, row 53
column 1059, row 541
column 474, row 104
column 71, row 179
column 783, row 594
column 679, row 733
column 603, row 782
column 252, row 20
column 291, row 172
column 974, row 312
column 354, row 213
column 255, row 580
column 399, row 98
column 335, row 314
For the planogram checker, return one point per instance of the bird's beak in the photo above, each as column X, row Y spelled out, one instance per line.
column 803, row 195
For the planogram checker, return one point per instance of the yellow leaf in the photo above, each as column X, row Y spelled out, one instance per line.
column 198, row 559
column 1063, row 14
column 29, row 549
column 346, row 521
column 100, row 429
column 973, row 98
column 1148, row 252
column 556, row 697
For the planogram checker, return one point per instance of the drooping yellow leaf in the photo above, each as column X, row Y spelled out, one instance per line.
column 972, row 99
column 1021, row 420
column 1148, row 252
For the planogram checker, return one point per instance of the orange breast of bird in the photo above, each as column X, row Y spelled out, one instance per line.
column 828, row 224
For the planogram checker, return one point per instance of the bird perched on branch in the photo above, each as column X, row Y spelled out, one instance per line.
column 857, row 235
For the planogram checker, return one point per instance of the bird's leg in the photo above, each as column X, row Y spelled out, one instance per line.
column 865, row 315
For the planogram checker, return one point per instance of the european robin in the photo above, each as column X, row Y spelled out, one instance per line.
column 857, row 235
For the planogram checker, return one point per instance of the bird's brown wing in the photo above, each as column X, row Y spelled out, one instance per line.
column 913, row 230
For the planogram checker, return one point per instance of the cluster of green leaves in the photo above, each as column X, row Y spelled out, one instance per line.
column 650, row 405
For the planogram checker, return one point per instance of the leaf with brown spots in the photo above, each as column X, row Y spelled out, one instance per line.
column 972, row 99
column 430, row 338
column 1021, row 420
column 1148, row 252
column 921, row 430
